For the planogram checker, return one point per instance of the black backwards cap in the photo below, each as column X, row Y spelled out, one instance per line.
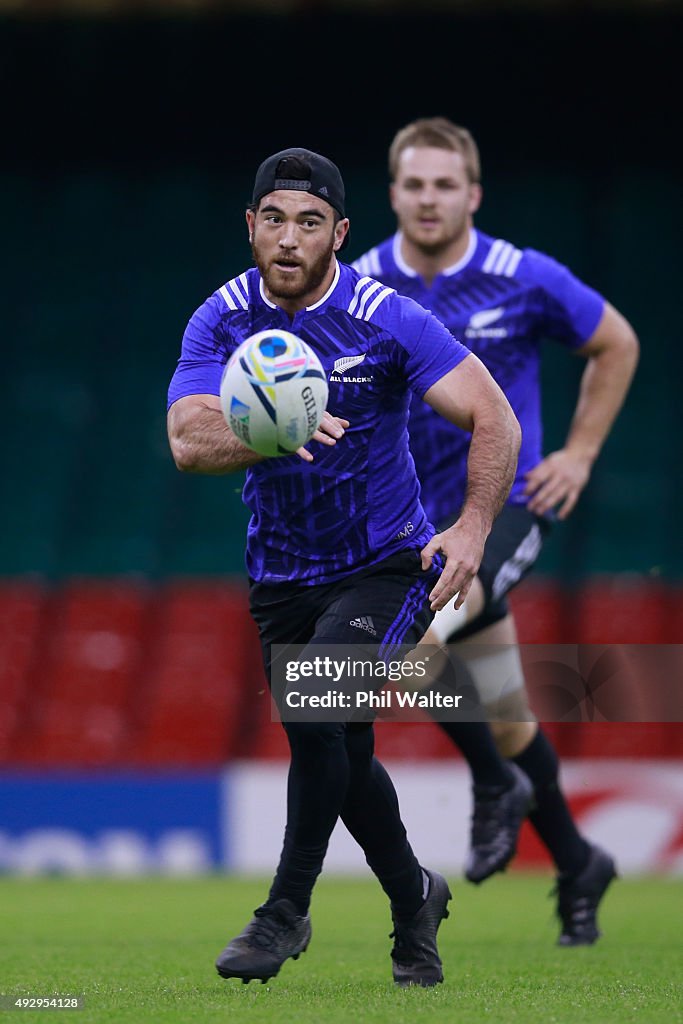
column 301, row 170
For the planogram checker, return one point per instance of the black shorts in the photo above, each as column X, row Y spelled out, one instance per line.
column 386, row 604
column 511, row 549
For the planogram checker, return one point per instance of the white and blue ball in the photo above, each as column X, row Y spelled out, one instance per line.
column 274, row 392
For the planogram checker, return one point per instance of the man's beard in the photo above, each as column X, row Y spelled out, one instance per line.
column 282, row 286
column 432, row 248
column 435, row 247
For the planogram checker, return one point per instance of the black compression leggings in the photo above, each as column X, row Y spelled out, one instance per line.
column 333, row 773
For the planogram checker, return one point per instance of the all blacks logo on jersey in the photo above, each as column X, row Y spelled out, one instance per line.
column 338, row 375
column 481, row 324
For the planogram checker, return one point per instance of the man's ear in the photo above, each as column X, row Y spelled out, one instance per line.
column 476, row 196
column 341, row 229
column 251, row 220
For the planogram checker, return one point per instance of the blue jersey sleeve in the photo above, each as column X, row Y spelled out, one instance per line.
column 203, row 355
column 427, row 351
column 570, row 310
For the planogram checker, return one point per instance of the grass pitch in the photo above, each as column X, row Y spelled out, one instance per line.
column 143, row 950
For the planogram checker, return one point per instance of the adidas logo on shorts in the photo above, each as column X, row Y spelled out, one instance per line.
column 364, row 622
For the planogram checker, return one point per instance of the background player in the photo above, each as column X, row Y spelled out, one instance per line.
column 328, row 541
column 501, row 301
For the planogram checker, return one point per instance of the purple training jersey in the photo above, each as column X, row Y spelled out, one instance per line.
column 501, row 302
column 358, row 502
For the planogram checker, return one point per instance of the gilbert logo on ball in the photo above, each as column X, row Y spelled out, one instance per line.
column 274, row 392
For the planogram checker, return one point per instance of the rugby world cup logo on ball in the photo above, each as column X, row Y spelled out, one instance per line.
column 274, row 392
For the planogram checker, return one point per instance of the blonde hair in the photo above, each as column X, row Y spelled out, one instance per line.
column 440, row 133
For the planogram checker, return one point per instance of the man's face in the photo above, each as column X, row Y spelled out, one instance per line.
column 432, row 197
column 293, row 239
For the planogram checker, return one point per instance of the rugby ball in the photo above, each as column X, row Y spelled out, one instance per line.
column 274, row 392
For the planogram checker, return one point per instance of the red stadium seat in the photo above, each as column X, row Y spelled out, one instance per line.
column 194, row 696
column 118, row 678
column 621, row 610
column 673, row 631
column 21, row 607
column 540, row 612
column 91, row 657
column 631, row 739
column 76, row 736
column 269, row 743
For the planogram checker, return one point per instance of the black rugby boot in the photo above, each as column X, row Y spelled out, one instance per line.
column 275, row 933
column 496, row 820
column 415, row 957
column 578, row 899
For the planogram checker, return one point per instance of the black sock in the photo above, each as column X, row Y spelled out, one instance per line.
column 371, row 814
column 475, row 743
column 551, row 817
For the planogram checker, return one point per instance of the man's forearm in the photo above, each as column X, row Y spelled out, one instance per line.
column 491, row 466
column 469, row 397
column 203, row 443
column 604, row 384
column 491, row 469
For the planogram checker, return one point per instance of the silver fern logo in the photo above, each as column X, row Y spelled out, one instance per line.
column 486, row 317
column 346, row 362
column 480, row 325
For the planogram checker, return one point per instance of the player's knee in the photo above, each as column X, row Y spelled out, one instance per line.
column 512, row 721
column 496, row 671
column 511, row 738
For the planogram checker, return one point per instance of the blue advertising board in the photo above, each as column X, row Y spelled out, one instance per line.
column 114, row 824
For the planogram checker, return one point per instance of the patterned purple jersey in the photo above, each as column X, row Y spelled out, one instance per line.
column 501, row 302
column 358, row 502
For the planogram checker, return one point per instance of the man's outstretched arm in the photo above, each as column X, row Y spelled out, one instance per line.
column 202, row 442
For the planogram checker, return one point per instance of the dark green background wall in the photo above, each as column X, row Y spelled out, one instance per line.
column 130, row 151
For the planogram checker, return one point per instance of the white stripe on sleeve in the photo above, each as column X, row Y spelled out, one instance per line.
column 376, row 302
column 231, row 304
column 493, row 255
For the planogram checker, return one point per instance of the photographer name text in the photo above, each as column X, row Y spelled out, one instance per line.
column 371, row 699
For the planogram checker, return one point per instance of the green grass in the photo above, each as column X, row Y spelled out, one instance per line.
column 143, row 950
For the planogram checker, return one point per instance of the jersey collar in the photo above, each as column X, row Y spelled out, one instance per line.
column 316, row 305
column 398, row 259
column 448, row 271
column 465, row 258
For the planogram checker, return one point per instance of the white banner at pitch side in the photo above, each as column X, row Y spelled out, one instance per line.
column 633, row 808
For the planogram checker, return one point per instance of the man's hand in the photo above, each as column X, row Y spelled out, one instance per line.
column 559, row 478
column 463, row 546
column 331, row 429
